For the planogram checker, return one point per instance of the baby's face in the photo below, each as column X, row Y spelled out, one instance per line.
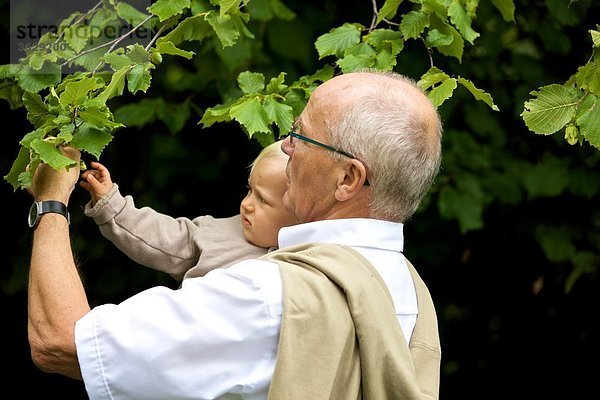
column 262, row 210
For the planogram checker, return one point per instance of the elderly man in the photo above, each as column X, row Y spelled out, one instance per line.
column 359, row 324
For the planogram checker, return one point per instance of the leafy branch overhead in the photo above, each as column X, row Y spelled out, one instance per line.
column 573, row 106
column 71, row 109
column 74, row 108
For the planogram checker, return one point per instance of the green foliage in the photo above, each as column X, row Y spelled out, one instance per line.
column 572, row 106
column 232, row 52
column 263, row 107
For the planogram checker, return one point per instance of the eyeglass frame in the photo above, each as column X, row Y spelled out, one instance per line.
column 326, row 147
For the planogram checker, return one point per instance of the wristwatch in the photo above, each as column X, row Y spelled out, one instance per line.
column 40, row 208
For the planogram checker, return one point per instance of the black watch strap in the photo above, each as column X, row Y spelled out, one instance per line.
column 53, row 206
column 40, row 208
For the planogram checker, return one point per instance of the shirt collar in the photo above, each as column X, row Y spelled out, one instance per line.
column 354, row 232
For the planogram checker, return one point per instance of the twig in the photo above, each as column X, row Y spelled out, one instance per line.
column 156, row 36
column 79, row 20
column 429, row 51
column 375, row 14
column 112, row 43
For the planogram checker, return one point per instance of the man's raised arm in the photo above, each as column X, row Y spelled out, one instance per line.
column 57, row 298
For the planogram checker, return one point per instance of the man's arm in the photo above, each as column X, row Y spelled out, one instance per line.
column 57, row 298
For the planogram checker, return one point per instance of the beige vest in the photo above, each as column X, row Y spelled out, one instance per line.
column 340, row 337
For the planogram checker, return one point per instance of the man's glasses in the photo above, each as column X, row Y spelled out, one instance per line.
column 294, row 135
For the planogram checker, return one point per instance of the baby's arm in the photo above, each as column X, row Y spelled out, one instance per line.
column 150, row 238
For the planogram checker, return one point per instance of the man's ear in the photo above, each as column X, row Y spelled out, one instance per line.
column 351, row 179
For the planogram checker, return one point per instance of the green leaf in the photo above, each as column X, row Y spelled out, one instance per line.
column 436, row 38
column 385, row 39
column 551, row 109
column 224, row 27
column 478, row 93
column 281, row 11
column 260, row 10
column 36, row 60
column 588, row 119
column 279, row 113
column 556, row 242
column 164, row 9
column 191, row 28
column 276, row 84
column 130, row 14
column 506, row 8
column 296, row 100
column 51, row 155
column 413, row 24
column 17, row 168
column 91, row 139
column 388, row 10
column 166, row 47
column 9, row 71
column 251, row 82
column 117, row 60
column 76, row 93
column 33, row 135
column 442, row 92
column 385, row 60
column 36, row 109
column 433, row 80
column 322, row 75
column 65, row 134
column 252, row 115
column 454, row 49
column 438, row 7
column 139, row 78
column 228, row 6
column 595, row 37
column 352, row 62
column 34, row 81
column 77, row 37
column 12, row 92
column 459, row 17
column 588, row 77
column 138, row 54
column 547, row 178
column 114, row 88
column 174, row 116
column 219, row 113
column 338, row 40
column 100, row 119
column 138, row 114
column 462, row 206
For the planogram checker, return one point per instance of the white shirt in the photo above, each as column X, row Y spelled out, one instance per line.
column 216, row 337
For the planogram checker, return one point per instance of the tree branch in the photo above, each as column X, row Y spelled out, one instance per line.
column 112, row 43
column 79, row 20
column 375, row 14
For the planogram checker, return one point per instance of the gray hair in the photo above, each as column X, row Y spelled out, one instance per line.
column 399, row 143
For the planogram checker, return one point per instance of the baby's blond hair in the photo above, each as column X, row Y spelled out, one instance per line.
column 272, row 150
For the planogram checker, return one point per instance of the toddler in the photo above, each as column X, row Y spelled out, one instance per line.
column 186, row 248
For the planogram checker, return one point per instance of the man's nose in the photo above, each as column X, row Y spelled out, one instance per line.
column 287, row 147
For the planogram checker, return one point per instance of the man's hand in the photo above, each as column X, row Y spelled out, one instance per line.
column 50, row 184
column 96, row 181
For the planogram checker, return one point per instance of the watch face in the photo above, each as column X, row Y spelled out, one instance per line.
column 33, row 214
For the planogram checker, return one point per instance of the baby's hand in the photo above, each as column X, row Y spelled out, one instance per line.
column 96, row 181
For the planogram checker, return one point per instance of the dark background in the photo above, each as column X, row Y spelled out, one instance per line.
column 516, row 319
